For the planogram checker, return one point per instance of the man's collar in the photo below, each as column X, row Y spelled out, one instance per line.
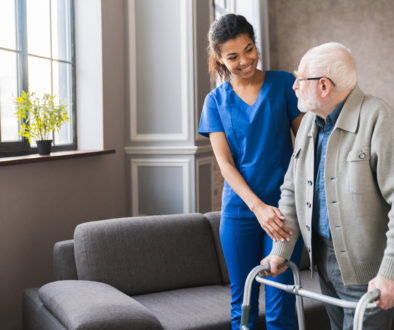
column 332, row 116
column 348, row 118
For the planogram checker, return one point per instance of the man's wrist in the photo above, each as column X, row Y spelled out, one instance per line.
column 280, row 249
column 386, row 269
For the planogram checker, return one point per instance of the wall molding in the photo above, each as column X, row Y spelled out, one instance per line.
column 186, row 42
column 168, row 150
column 200, row 162
column 185, row 164
column 264, row 33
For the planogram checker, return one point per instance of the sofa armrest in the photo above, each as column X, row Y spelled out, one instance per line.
column 92, row 305
column 64, row 267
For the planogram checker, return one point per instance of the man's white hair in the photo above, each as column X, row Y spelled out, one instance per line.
column 335, row 61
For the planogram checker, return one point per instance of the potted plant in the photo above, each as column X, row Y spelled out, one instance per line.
column 40, row 117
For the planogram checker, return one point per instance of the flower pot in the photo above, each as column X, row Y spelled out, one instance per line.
column 44, row 147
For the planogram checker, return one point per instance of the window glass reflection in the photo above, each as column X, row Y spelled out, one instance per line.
column 9, row 127
column 61, row 30
column 7, row 24
column 38, row 27
column 62, row 77
column 39, row 75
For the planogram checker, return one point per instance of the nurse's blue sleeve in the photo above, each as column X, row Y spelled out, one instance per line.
column 210, row 119
column 292, row 110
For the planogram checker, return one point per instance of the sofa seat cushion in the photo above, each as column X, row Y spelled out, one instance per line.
column 85, row 305
column 206, row 307
column 203, row 308
column 148, row 254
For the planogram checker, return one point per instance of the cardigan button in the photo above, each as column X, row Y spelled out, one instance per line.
column 362, row 155
column 310, row 182
column 308, row 204
column 308, row 228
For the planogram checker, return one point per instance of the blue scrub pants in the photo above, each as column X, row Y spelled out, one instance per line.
column 244, row 244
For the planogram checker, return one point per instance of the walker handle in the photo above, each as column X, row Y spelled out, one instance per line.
column 368, row 297
column 261, row 271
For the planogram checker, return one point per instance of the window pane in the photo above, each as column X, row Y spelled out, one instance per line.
column 61, row 30
column 7, row 24
column 39, row 75
column 38, row 27
column 8, row 93
column 221, row 3
column 62, row 77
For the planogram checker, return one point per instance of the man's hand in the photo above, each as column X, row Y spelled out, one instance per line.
column 386, row 287
column 275, row 262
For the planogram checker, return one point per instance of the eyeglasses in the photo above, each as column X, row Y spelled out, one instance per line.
column 316, row 78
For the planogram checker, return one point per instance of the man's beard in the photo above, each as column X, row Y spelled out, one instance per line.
column 309, row 102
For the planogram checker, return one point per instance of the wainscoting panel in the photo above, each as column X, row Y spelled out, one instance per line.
column 204, row 176
column 160, row 186
column 160, row 69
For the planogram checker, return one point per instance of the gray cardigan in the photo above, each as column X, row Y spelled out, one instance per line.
column 359, row 182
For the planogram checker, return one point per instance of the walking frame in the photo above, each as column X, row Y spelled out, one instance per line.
column 259, row 273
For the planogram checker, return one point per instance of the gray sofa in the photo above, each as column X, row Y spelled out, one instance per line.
column 156, row 272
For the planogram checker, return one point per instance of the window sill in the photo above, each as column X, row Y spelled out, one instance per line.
column 35, row 158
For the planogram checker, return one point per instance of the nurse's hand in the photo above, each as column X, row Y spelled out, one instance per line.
column 271, row 220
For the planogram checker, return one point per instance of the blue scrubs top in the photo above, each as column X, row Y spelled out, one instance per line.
column 258, row 135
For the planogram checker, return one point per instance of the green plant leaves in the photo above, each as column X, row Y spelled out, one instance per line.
column 40, row 116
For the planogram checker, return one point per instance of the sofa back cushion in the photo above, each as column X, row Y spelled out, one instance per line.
column 147, row 254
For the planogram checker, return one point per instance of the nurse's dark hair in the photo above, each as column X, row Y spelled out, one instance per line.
column 225, row 28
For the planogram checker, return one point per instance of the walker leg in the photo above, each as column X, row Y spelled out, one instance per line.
column 299, row 300
column 247, row 293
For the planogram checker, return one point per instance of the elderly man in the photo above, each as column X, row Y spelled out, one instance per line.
column 339, row 189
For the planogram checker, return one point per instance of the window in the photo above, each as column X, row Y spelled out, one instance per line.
column 36, row 55
column 223, row 7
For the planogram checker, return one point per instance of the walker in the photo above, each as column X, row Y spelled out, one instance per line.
column 259, row 273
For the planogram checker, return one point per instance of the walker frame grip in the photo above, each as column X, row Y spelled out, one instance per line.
column 260, row 272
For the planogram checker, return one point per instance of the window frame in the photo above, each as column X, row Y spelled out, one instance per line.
column 19, row 148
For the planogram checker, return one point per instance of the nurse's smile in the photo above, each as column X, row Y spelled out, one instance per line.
column 240, row 56
column 247, row 69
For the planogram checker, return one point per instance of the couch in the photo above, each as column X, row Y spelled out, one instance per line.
column 151, row 272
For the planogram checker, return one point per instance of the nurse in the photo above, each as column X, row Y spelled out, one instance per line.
column 248, row 120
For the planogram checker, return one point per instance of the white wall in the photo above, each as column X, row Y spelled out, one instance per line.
column 89, row 73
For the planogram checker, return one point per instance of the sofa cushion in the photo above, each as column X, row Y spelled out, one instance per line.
column 86, row 305
column 206, row 307
column 148, row 254
column 35, row 315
